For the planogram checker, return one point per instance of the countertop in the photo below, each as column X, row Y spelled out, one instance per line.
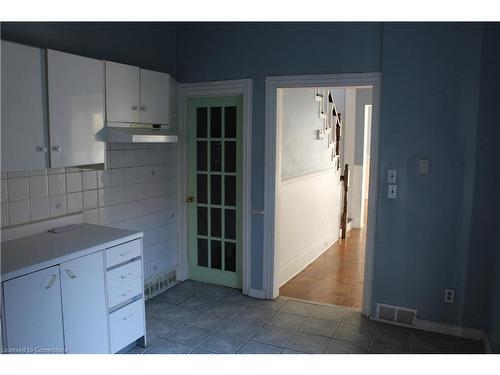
column 28, row 254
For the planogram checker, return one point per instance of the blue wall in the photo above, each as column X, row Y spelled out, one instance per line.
column 484, row 265
column 212, row 51
column 149, row 45
column 429, row 109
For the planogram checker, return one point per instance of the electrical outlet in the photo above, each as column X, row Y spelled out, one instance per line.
column 392, row 191
column 449, row 295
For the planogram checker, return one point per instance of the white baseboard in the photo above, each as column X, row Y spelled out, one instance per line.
column 297, row 264
column 446, row 329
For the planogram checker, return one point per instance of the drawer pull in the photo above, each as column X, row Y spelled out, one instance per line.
column 128, row 316
column 125, row 253
column 125, row 275
column 127, row 293
column 70, row 273
column 51, row 282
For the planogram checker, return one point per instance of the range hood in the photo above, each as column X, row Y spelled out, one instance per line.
column 140, row 133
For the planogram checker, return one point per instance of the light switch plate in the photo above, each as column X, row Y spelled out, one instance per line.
column 424, row 166
column 392, row 191
column 391, row 176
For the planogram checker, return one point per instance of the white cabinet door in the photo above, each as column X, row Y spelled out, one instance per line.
column 24, row 124
column 84, row 304
column 33, row 316
column 155, row 101
column 76, row 109
column 122, row 92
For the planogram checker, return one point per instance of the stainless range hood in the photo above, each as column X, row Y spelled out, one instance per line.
column 140, row 133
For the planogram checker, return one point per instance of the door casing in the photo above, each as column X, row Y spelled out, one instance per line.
column 272, row 150
column 241, row 87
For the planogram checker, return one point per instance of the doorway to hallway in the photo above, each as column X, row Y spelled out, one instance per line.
column 321, row 131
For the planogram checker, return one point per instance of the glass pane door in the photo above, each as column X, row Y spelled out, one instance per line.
column 214, row 174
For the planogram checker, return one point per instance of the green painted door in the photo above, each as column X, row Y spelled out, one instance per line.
column 214, row 187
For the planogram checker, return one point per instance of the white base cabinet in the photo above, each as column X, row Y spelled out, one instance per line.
column 90, row 304
column 84, row 304
column 33, row 313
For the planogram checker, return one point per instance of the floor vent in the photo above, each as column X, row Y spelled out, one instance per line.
column 159, row 283
column 396, row 314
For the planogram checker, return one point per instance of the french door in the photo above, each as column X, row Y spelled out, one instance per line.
column 214, row 145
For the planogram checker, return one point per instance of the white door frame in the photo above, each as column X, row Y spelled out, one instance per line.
column 206, row 89
column 272, row 149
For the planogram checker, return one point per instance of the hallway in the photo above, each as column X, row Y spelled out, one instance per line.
column 335, row 277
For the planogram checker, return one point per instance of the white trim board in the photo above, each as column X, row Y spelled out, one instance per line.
column 206, row 89
column 272, row 179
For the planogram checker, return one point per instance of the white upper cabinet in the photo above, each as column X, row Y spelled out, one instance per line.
column 155, row 88
column 76, row 109
column 84, row 305
column 24, row 122
column 137, row 95
column 122, row 92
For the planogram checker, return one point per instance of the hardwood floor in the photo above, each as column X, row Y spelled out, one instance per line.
column 336, row 276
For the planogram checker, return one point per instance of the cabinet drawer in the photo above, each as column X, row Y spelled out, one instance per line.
column 126, row 325
column 121, row 253
column 124, row 292
column 124, row 274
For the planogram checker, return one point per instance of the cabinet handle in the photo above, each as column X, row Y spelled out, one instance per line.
column 125, row 275
column 70, row 273
column 127, row 293
column 142, row 108
column 135, row 108
column 128, row 316
column 56, row 148
column 51, row 282
column 41, row 148
column 125, row 253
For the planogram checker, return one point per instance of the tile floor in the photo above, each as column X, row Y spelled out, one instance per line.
column 199, row 318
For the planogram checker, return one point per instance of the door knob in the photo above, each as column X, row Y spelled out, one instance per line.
column 189, row 199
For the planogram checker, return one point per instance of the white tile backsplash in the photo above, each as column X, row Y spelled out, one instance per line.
column 57, row 205
column 90, row 200
column 137, row 192
column 18, row 189
column 116, row 159
column 89, row 180
column 5, row 195
column 17, row 174
column 5, row 215
column 57, row 183
column 117, row 177
column 37, row 172
column 19, row 212
column 91, row 216
column 39, row 186
column 75, row 202
column 39, row 208
column 73, row 182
